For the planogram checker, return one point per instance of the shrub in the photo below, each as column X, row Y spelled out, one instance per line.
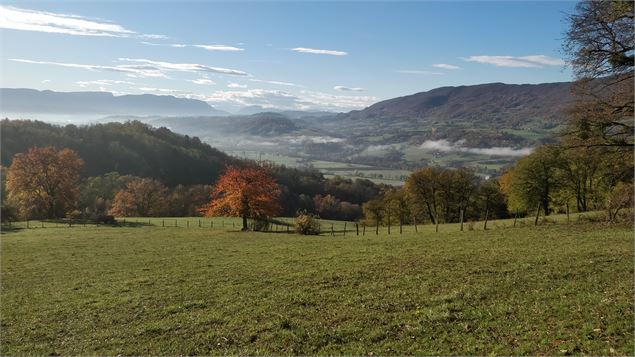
column 105, row 219
column 261, row 225
column 8, row 214
column 307, row 224
column 74, row 214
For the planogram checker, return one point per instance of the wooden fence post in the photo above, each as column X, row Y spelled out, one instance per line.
column 357, row 228
column 515, row 217
column 400, row 226
column 344, row 228
column 436, row 222
column 176, row 223
column 461, row 218
column 363, row 229
column 414, row 220
column 163, row 223
column 199, row 223
column 389, row 223
column 27, row 224
column 332, row 231
column 537, row 214
column 486, row 217
column 211, row 224
column 568, row 221
column 377, row 228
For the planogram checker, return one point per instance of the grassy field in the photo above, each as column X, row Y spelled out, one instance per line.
column 144, row 289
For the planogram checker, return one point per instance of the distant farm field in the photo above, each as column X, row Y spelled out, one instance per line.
column 153, row 290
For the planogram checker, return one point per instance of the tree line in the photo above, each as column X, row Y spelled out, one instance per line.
column 45, row 182
column 437, row 195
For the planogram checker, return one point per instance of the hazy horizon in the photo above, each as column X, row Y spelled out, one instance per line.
column 343, row 56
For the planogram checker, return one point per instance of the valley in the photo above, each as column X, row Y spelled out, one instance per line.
column 484, row 127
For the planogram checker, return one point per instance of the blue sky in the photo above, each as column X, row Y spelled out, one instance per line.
column 307, row 56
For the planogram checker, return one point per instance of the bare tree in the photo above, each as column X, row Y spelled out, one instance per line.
column 600, row 44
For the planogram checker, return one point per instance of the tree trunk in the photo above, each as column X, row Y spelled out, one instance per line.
column 414, row 220
column 245, row 226
column 486, row 217
column 430, row 213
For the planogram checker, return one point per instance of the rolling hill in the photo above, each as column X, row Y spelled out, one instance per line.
column 489, row 105
column 21, row 100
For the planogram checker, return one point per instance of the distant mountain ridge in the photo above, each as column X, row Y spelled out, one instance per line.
column 513, row 104
column 23, row 100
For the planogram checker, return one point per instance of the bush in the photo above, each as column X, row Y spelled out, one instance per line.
column 8, row 214
column 74, row 214
column 260, row 225
column 307, row 224
column 105, row 219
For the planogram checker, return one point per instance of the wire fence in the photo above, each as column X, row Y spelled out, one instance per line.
column 286, row 225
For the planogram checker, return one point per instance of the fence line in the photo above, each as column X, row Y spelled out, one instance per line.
column 284, row 225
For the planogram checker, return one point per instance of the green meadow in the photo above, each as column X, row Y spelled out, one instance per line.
column 145, row 289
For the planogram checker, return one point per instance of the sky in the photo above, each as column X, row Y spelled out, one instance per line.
column 335, row 56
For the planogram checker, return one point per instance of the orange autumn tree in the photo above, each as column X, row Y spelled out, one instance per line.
column 44, row 182
column 244, row 192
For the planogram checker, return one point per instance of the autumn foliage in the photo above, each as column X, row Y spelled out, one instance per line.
column 44, row 182
column 142, row 197
column 244, row 192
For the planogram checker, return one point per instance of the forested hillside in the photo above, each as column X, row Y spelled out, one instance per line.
column 134, row 149
column 131, row 148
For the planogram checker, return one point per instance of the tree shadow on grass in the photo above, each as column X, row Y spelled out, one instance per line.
column 5, row 229
column 67, row 223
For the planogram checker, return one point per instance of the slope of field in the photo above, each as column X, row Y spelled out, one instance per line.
column 149, row 290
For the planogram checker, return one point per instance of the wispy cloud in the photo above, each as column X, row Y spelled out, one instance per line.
column 304, row 100
column 142, row 67
column 101, row 82
column 348, row 89
column 202, row 81
column 533, row 61
column 223, row 48
column 46, row 81
column 153, row 36
column 319, row 51
column 446, row 146
column 219, row 48
column 418, row 72
column 40, row 21
column 130, row 70
column 326, row 101
column 289, row 84
column 236, row 85
column 174, row 92
column 184, row 67
column 445, row 66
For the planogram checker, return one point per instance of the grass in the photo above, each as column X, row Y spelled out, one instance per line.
column 139, row 290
